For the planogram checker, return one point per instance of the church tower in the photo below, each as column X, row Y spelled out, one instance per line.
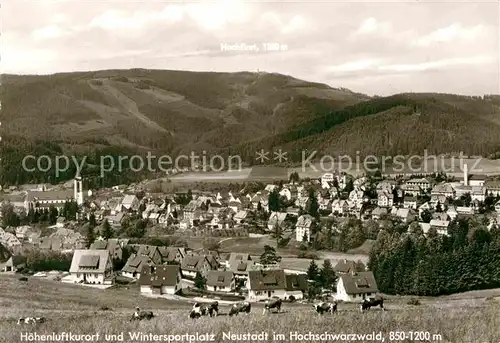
column 78, row 190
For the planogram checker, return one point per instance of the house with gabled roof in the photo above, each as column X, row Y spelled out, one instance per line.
column 240, row 216
column 115, row 246
column 410, row 202
column 356, row 286
column 13, row 264
column 444, row 189
column 135, row 264
column 130, row 202
column 236, row 258
column 266, row 284
column 220, row 281
column 441, row 226
column 276, row 218
column 193, row 264
column 152, row 251
column 406, row 215
column 172, row 255
column 164, row 279
column 385, row 199
column 340, row 206
column 92, row 267
column 345, row 266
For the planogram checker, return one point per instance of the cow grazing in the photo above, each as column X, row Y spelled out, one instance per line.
column 242, row 307
column 197, row 311
column 373, row 302
column 23, row 278
column 213, row 309
column 324, row 307
column 275, row 303
column 31, row 320
column 140, row 315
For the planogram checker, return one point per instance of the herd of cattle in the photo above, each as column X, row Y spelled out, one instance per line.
column 212, row 310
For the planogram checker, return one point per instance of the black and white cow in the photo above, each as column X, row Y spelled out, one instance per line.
column 195, row 313
column 241, row 307
column 373, row 302
column 213, row 309
column 324, row 307
column 270, row 304
column 140, row 315
column 31, row 320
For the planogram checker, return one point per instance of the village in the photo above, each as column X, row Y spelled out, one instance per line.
column 124, row 235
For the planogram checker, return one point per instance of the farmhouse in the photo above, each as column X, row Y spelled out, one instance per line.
column 220, row 281
column 356, row 286
column 160, row 279
column 92, row 267
column 265, row 284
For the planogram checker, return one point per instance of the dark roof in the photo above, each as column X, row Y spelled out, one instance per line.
column 135, row 263
column 219, row 278
column 477, row 177
column 263, row 280
column 359, row 283
column 296, row 282
column 238, row 261
column 89, row 261
column 345, row 266
column 193, row 262
column 157, row 276
column 170, row 253
column 99, row 245
column 148, row 250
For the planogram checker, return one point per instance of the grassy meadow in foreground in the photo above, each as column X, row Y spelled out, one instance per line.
column 77, row 310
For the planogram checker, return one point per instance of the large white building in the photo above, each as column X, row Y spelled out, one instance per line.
column 41, row 199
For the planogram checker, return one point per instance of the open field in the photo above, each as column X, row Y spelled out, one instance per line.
column 75, row 309
column 453, row 167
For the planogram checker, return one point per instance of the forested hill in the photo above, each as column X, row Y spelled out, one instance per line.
column 162, row 111
column 399, row 124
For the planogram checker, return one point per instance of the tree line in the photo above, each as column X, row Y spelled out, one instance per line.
column 466, row 259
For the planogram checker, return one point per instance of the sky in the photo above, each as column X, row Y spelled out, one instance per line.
column 372, row 47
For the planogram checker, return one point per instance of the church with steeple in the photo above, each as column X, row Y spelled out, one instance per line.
column 42, row 199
